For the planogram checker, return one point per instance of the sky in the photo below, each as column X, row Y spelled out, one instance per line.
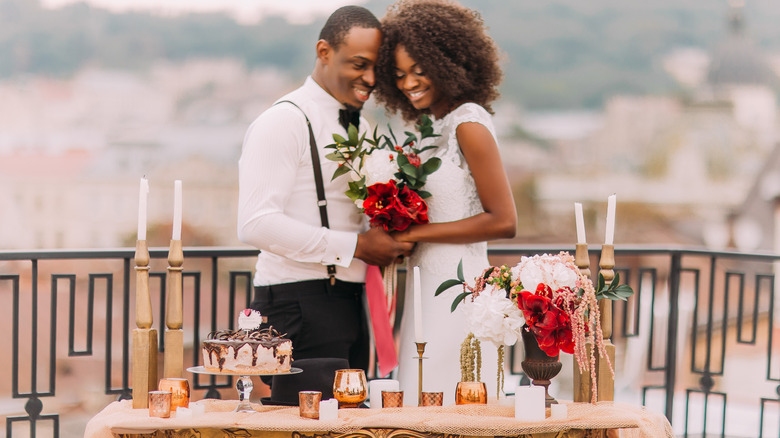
column 244, row 11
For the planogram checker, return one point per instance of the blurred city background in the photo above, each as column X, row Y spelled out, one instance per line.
column 671, row 105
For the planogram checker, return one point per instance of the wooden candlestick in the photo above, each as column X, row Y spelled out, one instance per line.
column 582, row 259
column 144, row 336
column 173, row 365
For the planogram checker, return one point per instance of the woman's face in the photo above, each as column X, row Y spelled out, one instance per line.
column 416, row 86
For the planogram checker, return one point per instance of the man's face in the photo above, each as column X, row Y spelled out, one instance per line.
column 348, row 72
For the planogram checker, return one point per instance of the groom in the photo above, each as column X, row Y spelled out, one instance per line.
column 312, row 266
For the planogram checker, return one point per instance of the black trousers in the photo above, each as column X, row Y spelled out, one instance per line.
column 321, row 320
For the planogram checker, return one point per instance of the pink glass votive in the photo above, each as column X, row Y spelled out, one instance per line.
column 160, row 404
column 392, row 399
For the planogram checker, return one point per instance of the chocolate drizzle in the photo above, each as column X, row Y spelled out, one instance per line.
column 224, row 339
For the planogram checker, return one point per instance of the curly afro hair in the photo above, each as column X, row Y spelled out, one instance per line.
column 449, row 43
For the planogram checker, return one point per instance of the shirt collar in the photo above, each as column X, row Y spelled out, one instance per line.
column 322, row 98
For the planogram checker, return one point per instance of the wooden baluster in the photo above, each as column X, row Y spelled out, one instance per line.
column 144, row 336
column 173, row 365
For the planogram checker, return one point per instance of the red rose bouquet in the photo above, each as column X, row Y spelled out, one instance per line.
column 387, row 178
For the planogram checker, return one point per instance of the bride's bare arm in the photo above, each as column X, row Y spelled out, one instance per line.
column 500, row 217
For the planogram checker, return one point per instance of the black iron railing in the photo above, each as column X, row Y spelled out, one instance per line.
column 695, row 342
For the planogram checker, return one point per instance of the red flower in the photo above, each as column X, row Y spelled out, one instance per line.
column 392, row 209
column 549, row 323
column 414, row 159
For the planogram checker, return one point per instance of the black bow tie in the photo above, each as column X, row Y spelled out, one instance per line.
column 349, row 115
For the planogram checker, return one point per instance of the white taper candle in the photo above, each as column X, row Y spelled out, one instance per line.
column 176, row 210
column 580, row 220
column 610, row 235
column 418, row 327
column 142, row 200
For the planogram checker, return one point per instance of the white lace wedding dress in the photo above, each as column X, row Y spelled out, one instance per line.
column 454, row 197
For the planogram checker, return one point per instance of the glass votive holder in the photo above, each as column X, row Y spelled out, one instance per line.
column 179, row 389
column 432, row 399
column 309, row 403
column 160, row 404
column 392, row 399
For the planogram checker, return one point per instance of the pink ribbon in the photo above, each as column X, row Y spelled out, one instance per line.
column 383, row 334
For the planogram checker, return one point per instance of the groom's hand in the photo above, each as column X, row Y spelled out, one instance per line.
column 377, row 247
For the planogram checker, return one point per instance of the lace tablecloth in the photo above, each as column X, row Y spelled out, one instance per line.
column 470, row 420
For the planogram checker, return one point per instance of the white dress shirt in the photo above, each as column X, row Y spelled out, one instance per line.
column 277, row 199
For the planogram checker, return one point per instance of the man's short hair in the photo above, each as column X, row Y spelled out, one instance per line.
column 345, row 18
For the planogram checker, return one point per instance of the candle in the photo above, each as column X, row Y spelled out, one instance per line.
column 610, row 239
column 580, row 223
column 329, row 409
column 375, row 388
column 142, row 198
column 418, row 327
column 558, row 412
column 177, row 210
column 529, row 403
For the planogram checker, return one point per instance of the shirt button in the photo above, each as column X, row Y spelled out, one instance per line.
column 338, row 259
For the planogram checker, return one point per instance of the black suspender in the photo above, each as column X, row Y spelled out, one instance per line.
column 321, row 201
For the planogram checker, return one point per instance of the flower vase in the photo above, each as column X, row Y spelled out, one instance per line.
column 538, row 366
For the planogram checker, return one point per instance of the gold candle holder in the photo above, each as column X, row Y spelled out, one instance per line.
column 159, row 404
column 350, row 387
column 420, row 351
column 309, row 404
column 179, row 389
column 392, row 399
column 432, row 399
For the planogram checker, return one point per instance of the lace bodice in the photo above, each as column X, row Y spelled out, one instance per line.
column 454, row 194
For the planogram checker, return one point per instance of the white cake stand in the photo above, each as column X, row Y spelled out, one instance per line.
column 244, row 384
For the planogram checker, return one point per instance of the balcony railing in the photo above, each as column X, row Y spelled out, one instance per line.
column 695, row 342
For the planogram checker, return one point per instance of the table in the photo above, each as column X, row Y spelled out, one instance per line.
column 584, row 420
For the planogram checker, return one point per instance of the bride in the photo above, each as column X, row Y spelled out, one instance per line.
column 437, row 59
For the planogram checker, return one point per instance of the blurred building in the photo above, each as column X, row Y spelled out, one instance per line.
column 72, row 152
column 687, row 162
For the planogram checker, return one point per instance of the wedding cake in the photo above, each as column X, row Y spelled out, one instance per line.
column 248, row 349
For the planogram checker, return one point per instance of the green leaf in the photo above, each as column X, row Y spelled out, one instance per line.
column 410, row 137
column 600, row 286
column 341, row 170
column 335, row 156
column 462, row 296
column 460, row 271
column 352, row 132
column 392, row 134
column 339, row 139
column 431, row 165
column 446, row 285
column 423, row 194
column 408, row 169
column 426, row 148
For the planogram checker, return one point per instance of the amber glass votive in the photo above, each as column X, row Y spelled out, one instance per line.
column 432, row 399
column 160, row 404
column 179, row 389
column 392, row 399
column 309, row 403
column 471, row 393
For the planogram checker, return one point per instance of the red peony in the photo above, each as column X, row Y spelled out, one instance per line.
column 549, row 323
column 394, row 209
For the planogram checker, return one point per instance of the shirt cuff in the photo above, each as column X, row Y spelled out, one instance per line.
column 341, row 248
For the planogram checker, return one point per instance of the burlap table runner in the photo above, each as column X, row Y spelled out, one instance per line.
column 477, row 420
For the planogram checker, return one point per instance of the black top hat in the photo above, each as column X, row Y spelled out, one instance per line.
column 317, row 375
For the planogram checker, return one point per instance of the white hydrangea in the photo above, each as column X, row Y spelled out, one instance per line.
column 493, row 317
column 379, row 166
column 547, row 269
